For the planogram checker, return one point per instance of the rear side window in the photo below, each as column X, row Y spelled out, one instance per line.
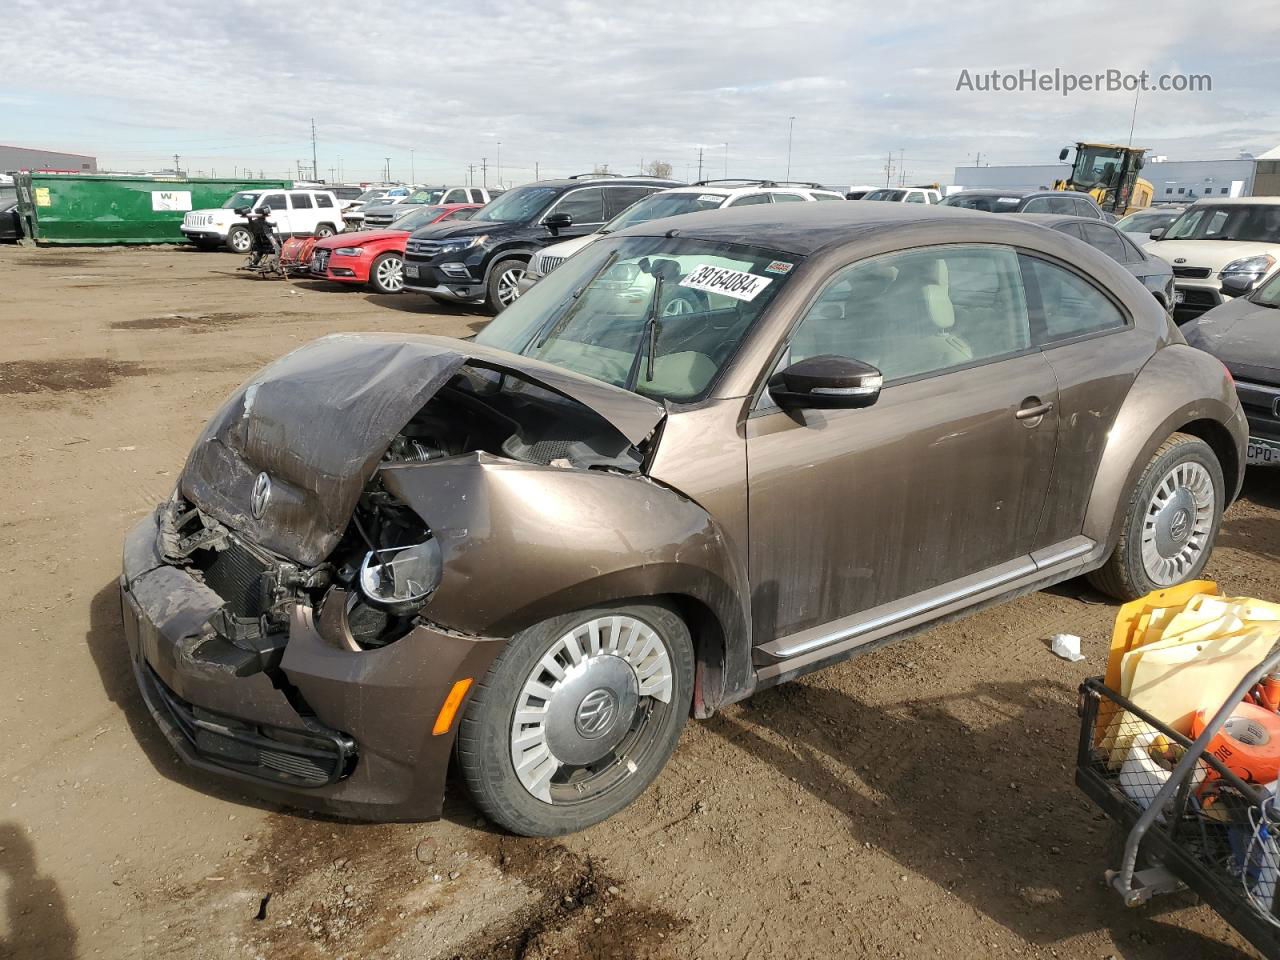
column 1069, row 305
column 749, row 199
column 301, row 201
column 1105, row 239
column 323, row 200
column 477, row 196
column 618, row 199
column 826, row 196
column 915, row 196
column 1085, row 209
column 455, row 196
column 1037, row 205
column 1064, row 205
column 788, row 198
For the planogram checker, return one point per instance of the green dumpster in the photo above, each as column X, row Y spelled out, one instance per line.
column 92, row 208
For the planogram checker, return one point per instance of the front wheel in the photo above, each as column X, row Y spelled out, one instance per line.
column 386, row 274
column 239, row 240
column 576, row 717
column 1170, row 524
column 504, row 283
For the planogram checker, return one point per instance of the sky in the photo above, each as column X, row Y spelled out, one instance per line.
column 562, row 86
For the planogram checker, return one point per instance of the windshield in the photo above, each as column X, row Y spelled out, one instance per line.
column 1269, row 293
column 370, row 195
column 242, row 199
column 659, row 205
column 604, row 313
column 1147, row 221
column 1259, row 223
column 432, row 195
column 989, row 202
column 518, row 205
column 1096, row 167
column 895, row 195
column 417, row 217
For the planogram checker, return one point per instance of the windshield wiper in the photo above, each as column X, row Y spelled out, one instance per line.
column 650, row 333
column 557, row 324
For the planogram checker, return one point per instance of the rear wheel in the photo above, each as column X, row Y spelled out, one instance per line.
column 239, row 240
column 576, row 717
column 1170, row 521
column 504, row 283
column 386, row 274
column 324, row 230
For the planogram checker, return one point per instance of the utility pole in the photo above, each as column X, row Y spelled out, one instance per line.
column 471, row 174
column 315, row 164
column 699, row 163
column 888, row 170
column 902, row 168
column 535, row 170
column 726, row 161
column 387, row 178
column 498, row 163
column 484, row 172
column 177, row 170
column 790, row 129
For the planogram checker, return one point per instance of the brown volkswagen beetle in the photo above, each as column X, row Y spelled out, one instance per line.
column 701, row 457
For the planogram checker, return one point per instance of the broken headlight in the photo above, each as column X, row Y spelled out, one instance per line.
column 401, row 575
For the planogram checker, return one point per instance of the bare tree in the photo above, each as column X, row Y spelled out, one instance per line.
column 658, row 168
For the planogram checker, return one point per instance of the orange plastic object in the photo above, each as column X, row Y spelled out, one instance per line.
column 1248, row 743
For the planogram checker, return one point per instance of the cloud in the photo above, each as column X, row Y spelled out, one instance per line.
column 569, row 84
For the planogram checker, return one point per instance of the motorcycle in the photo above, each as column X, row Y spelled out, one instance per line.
column 264, row 256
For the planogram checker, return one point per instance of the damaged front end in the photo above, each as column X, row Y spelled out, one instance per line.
column 357, row 531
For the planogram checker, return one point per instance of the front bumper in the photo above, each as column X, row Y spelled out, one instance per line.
column 423, row 277
column 1194, row 297
column 204, row 233
column 340, row 269
column 334, row 729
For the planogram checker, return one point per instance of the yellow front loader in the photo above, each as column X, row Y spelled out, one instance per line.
column 1109, row 174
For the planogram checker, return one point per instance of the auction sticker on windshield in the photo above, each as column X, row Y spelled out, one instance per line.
column 722, row 280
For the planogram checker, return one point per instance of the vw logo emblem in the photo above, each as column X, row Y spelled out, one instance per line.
column 261, row 494
column 596, row 713
column 1180, row 526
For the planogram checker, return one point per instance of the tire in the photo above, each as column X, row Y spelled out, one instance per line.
column 386, row 273
column 683, row 302
column 239, row 240
column 324, row 231
column 502, row 287
column 1170, row 523
column 598, row 740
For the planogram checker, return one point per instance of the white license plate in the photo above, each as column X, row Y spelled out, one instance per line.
column 411, row 270
column 1263, row 453
column 1179, row 296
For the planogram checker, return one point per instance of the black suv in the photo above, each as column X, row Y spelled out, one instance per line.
column 482, row 260
column 1069, row 203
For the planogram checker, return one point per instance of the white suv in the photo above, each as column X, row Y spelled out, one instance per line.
column 706, row 195
column 905, row 195
column 1219, row 248
column 310, row 213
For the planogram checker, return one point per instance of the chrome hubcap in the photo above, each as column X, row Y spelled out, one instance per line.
column 677, row 308
column 585, row 705
column 391, row 274
column 241, row 242
column 509, row 285
column 1179, row 519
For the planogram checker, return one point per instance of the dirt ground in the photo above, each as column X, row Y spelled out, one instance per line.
column 916, row 802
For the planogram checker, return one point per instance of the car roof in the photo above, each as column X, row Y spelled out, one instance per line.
column 1053, row 219
column 804, row 228
column 588, row 181
column 1236, row 201
column 1021, row 192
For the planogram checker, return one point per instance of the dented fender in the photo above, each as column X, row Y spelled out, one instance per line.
column 524, row 542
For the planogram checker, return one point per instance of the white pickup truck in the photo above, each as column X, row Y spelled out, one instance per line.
column 309, row 213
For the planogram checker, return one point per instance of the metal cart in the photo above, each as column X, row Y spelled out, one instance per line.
column 1202, row 828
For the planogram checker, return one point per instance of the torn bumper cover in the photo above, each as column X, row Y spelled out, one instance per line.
column 332, row 728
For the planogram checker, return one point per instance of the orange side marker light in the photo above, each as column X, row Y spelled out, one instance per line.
column 444, row 719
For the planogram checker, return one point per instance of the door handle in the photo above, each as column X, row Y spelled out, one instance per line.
column 1033, row 412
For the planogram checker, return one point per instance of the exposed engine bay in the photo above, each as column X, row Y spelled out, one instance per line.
column 386, row 562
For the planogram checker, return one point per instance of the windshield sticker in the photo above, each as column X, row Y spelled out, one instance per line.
column 722, row 280
column 779, row 266
column 709, row 198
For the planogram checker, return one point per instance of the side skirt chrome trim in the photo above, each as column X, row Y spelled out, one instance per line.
column 1075, row 552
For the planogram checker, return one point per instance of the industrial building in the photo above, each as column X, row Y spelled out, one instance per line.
column 49, row 161
column 1175, row 181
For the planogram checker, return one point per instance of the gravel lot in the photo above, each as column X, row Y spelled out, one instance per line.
column 916, row 802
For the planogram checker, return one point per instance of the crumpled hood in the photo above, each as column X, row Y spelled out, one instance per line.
column 1214, row 254
column 1242, row 334
column 318, row 420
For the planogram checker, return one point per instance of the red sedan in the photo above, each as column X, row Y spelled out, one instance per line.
column 376, row 257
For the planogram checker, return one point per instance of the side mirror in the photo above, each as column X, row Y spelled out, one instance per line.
column 558, row 221
column 1066, row 152
column 1238, row 284
column 242, row 211
column 1157, row 233
column 826, row 383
